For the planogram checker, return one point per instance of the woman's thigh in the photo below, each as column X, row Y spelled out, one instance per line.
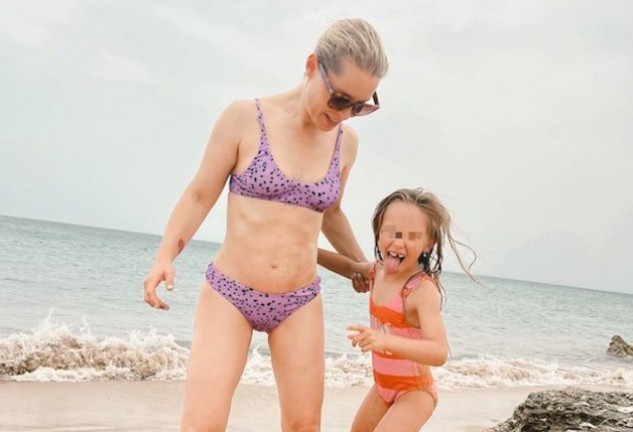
column 219, row 350
column 296, row 347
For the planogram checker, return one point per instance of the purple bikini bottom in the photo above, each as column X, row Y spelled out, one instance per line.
column 264, row 311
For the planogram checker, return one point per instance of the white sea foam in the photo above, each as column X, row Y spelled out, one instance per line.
column 490, row 371
column 57, row 352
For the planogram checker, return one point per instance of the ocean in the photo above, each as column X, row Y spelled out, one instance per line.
column 71, row 309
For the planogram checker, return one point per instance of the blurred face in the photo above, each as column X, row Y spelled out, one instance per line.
column 403, row 237
column 330, row 92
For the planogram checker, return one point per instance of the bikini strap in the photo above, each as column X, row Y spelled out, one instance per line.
column 262, row 125
column 335, row 162
column 339, row 139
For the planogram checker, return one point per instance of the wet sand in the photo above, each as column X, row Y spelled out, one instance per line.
column 156, row 406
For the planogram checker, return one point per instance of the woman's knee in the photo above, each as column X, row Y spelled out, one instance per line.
column 202, row 425
column 302, row 422
column 205, row 412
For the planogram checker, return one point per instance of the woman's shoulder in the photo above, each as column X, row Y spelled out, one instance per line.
column 236, row 115
column 235, row 118
column 349, row 144
column 240, row 107
column 350, row 137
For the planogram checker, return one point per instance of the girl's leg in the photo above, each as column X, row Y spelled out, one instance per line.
column 370, row 412
column 408, row 413
column 296, row 348
column 221, row 338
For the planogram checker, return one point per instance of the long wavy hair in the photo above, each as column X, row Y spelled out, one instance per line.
column 440, row 231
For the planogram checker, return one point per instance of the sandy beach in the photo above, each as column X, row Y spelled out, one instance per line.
column 155, row 406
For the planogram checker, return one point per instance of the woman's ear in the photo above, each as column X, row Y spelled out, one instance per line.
column 312, row 63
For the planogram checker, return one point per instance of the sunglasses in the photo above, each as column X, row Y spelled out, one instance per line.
column 339, row 101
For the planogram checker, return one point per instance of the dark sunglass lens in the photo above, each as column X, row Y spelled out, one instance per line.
column 366, row 109
column 339, row 103
column 358, row 108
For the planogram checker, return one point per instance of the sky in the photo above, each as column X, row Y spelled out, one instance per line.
column 517, row 114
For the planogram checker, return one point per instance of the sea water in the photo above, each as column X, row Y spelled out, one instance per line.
column 72, row 309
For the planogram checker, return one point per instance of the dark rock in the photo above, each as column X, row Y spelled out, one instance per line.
column 619, row 348
column 571, row 410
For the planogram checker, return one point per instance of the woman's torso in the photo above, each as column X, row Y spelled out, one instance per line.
column 271, row 243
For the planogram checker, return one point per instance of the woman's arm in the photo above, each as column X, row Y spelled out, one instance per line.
column 201, row 194
column 341, row 264
column 336, row 226
column 338, row 231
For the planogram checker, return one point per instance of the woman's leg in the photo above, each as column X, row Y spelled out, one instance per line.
column 296, row 348
column 370, row 412
column 408, row 413
column 221, row 338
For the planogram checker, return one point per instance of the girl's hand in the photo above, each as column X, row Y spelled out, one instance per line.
column 367, row 338
column 159, row 273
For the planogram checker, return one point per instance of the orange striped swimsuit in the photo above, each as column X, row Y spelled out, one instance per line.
column 394, row 375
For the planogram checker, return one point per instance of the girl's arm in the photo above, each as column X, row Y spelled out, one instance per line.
column 201, row 194
column 341, row 264
column 431, row 350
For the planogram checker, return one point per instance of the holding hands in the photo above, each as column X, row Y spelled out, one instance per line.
column 360, row 276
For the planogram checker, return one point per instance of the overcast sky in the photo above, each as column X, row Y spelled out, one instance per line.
column 517, row 114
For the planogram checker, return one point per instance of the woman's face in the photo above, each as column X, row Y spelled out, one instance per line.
column 352, row 82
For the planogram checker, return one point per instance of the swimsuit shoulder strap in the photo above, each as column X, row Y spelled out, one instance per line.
column 262, row 125
column 413, row 282
column 372, row 274
column 339, row 139
column 335, row 163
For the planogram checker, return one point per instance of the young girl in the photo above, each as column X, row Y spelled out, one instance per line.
column 407, row 333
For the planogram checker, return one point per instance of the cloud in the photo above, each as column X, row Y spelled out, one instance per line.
column 111, row 66
column 27, row 26
column 514, row 113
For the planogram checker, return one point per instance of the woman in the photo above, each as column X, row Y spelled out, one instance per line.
column 287, row 158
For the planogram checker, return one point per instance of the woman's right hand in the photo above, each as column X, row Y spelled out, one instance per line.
column 159, row 273
column 360, row 276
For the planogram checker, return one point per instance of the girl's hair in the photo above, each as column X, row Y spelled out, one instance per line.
column 440, row 230
column 354, row 38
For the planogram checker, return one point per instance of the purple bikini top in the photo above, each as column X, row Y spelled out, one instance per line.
column 264, row 180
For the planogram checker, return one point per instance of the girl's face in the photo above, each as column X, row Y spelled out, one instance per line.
column 403, row 237
column 356, row 84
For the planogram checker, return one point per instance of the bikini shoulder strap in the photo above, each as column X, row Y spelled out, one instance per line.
column 262, row 125
column 335, row 164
